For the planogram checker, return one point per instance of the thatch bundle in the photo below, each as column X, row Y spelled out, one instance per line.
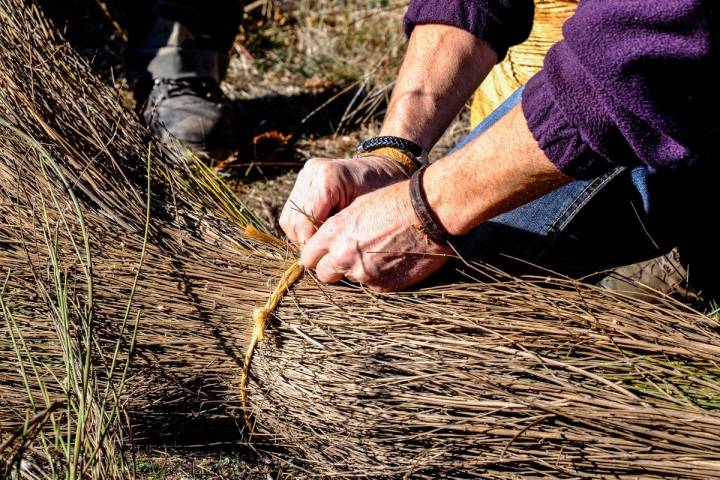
column 533, row 377
column 524, row 60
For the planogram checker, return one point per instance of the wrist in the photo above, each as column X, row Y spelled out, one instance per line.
column 450, row 203
column 398, row 148
column 429, row 222
column 395, row 156
column 399, row 128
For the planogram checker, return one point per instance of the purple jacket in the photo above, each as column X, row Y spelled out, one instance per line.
column 631, row 83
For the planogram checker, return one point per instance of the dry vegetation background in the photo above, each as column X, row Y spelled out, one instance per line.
column 311, row 78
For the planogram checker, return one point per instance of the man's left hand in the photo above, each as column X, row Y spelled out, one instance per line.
column 376, row 241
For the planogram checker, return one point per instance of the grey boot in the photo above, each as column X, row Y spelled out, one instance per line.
column 193, row 112
column 176, row 69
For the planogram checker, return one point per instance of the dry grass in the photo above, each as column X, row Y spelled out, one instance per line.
column 319, row 43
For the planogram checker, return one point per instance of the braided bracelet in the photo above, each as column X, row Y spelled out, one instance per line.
column 414, row 151
column 398, row 156
column 431, row 226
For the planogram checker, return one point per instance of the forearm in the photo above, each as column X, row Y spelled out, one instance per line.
column 442, row 68
column 498, row 171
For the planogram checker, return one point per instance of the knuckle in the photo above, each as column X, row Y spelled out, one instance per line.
column 312, row 162
column 345, row 251
column 327, row 271
column 327, row 171
column 305, row 172
column 322, row 275
column 315, row 164
column 361, row 277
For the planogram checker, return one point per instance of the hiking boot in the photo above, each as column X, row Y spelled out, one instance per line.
column 193, row 112
column 652, row 279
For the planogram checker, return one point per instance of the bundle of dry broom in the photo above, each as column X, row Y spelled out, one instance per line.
column 129, row 282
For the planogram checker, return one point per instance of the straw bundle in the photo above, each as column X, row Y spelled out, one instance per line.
column 524, row 60
column 504, row 378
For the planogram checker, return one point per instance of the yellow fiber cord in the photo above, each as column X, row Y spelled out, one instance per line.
column 260, row 319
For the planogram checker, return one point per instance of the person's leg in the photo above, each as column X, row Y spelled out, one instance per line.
column 698, row 247
column 689, row 270
column 177, row 56
column 580, row 228
column 177, row 39
column 625, row 216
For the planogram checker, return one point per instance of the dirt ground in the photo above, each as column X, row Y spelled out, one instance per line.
column 311, row 78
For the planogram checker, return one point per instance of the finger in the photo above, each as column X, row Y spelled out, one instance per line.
column 304, row 233
column 357, row 274
column 327, row 271
column 307, row 222
column 297, row 225
column 318, row 245
column 290, row 221
column 287, row 224
column 303, row 214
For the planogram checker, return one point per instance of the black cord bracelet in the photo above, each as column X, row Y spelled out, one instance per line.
column 418, row 154
column 429, row 221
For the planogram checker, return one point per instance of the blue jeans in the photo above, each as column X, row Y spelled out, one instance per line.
column 627, row 215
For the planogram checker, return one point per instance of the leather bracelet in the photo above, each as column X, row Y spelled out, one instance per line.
column 430, row 224
column 418, row 154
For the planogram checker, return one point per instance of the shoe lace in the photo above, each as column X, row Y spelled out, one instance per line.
column 198, row 87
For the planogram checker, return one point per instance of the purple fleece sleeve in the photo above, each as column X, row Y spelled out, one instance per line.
column 501, row 23
column 631, row 83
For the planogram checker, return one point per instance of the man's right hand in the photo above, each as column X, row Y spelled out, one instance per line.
column 326, row 186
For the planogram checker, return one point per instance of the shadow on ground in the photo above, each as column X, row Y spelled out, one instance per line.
column 269, row 127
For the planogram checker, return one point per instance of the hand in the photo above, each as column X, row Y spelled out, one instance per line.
column 376, row 241
column 325, row 186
